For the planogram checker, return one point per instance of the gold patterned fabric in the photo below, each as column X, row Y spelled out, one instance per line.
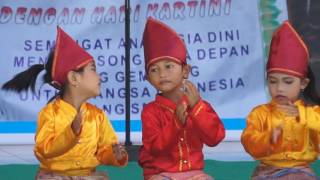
column 298, row 145
column 60, row 151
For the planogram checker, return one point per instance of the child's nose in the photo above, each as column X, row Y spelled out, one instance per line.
column 162, row 73
column 280, row 87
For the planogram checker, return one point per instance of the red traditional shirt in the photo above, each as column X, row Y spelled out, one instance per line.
column 169, row 146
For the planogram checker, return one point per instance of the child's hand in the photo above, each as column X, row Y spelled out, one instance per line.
column 276, row 132
column 181, row 111
column 119, row 151
column 290, row 109
column 77, row 123
column 192, row 93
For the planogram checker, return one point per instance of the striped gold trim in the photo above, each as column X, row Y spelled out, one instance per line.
column 172, row 111
column 176, row 123
column 286, row 71
column 198, row 110
column 55, row 55
column 180, row 156
column 84, row 63
column 299, row 38
column 188, row 150
column 163, row 57
column 166, row 107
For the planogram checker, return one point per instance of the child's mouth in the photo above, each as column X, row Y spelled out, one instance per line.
column 282, row 98
column 165, row 82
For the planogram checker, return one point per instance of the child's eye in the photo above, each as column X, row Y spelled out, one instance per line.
column 153, row 70
column 272, row 81
column 169, row 66
column 288, row 82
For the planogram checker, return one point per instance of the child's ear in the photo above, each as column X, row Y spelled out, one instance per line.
column 72, row 78
column 186, row 71
column 304, row 83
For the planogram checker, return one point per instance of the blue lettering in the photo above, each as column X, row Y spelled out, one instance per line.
column 28, row 45
column 201, row 54
column 18, row 62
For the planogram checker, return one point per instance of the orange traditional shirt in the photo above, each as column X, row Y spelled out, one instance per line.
column 297, row 145
column 59, row 150
column 169, row 146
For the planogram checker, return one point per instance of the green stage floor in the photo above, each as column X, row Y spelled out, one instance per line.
column 221, row 170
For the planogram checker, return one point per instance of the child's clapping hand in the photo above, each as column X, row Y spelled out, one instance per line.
column 191, row 93
column 119, row 151
column 181, row 111
column 190, row 97
column 290, row 109
column 276, row 132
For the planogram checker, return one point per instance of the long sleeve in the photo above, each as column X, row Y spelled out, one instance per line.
column 50, row 142
column 256, row 136
column 169, row 145
column 107, row 138
column 207, row 123
column 59, row 150
column 297, row 144
column 310, row 116
column 157, row 137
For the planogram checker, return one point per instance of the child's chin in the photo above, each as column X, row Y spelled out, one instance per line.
column 96, row 94
column 165, row 90
column 282, row 102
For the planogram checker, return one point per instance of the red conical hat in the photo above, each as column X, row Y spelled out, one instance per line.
column 160, row 41
column 288, row 53
column 68, row 56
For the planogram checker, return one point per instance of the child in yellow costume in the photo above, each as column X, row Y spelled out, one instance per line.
column 73, row 136
column 284, row 134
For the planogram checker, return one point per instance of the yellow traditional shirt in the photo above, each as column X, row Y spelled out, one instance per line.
column 297, row 145
column 59, row 150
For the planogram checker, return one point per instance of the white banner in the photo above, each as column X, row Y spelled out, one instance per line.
column 223, row 38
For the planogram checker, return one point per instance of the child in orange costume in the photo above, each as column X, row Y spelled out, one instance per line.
column 73, row 136
column 177, row 124
column 284, row 134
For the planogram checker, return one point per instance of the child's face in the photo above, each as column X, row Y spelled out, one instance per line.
column 166, row 75
column 89, row 80
column 284, row 88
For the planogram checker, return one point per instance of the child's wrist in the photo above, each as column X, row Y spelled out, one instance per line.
column 194, row 103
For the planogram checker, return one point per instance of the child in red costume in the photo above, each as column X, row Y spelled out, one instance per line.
column 177, row 124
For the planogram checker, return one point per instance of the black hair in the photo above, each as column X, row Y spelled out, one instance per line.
column 26, row 80
column 310, row 94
